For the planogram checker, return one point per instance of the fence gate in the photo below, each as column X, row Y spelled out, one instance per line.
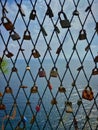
column 48, row 65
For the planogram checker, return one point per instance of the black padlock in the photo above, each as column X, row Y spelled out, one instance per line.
column 43, row 31
column 49, row 11
column 82, row 34
column 33, row 14
column 56, row 29
column 14, row 36
column 64, row 22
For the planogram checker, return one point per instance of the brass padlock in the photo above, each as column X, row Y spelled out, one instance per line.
column 95, row 71
column 64, row 22
column 42, row 72
column 21, row 10
column 34, row 89
column 53, row 101
column 61, row 89
column 14, row 35
column 43, row 31
column 49, row 11
column 27, row 35
column 33, row 14
column 35, row 53
column 69, row 108
column 54, row 72
column 87, row 93
column 82, row 34
column 8, row 90
column 7, row 24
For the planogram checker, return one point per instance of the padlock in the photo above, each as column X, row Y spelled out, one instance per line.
column 79, row 102
column 50, row 85
column 34, row 89
column 54, row 72
column 37, row 108
column 2, row 106
column 87, row 93
column 95, row 71
column 75, row 12
column 88, row 8
column 96, row 28
column 7, row 24
column 8, row 90
column 56, row 29
column 21, row 10
column 42, row 72
column 27, row 35
column 87, row 47
column 23, row 86
column 69, row 107
column 28, row 68
column 14, row 69
column 80, row 68
column 49, row 11
column 96, row 59
column 35, row 53
column 43, row 31
column 33, row 119
column 33, row 14
column 59, row 49
column 1, row 94
column 61, row 89
column 64, row 22
column 53, row 101
column 82, row 35
column 14, row 35
column 9, row 54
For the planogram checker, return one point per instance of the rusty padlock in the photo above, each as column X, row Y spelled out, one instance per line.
column 82, row 35
column 64, row 22
column 27, row 35
column 87, row 93
column 14, row 35
column 54, row 72
column 33, row 14
column 7, row 23
column 49, row 11
column 35, row 53
column 41, row 72
column 8, row 90
column 2, row 106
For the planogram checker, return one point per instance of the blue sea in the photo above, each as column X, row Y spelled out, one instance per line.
column 48, row 118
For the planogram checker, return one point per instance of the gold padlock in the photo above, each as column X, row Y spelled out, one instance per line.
column 82, row 35
column 27, row 35
column 34, row 89
column 54, row 72
column 64, row 22
column 69, row 107
column 7, row 24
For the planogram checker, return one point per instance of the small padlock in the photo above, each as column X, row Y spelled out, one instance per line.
column 32, row 14
column 21, row 10
column 88, row 8
column 56, row 29
column 14, row 36
column 80, row 68
column 53, row 101
column 34, row 89
column 42, row 72
column 69, row 107
column 75, row 12
column 49, row 11
column 96, row 28
column 82, row 35
column 43, row 31
column 54, row 72
column 9, row 54
column 27, row 35
column 8, row 90
column 2, row 106
column 7, row 24
column 79, row 102
column 87, row 93
column 14, row 69
column 33, row 119
column 95, row 71
column 87, row 47
column 96, row 59
column 64, row 22
column 61, row 89
column 50, row 85
column 28, row 68
column 59, row 49
column 35, row 53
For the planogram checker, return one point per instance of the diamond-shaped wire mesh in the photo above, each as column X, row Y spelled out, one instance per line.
column 48, row 65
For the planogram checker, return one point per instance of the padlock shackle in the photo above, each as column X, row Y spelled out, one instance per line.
column 61, row 12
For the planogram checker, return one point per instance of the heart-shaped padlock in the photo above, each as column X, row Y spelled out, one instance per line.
column 33, row 14
column 64, row 22
column 7, row 24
